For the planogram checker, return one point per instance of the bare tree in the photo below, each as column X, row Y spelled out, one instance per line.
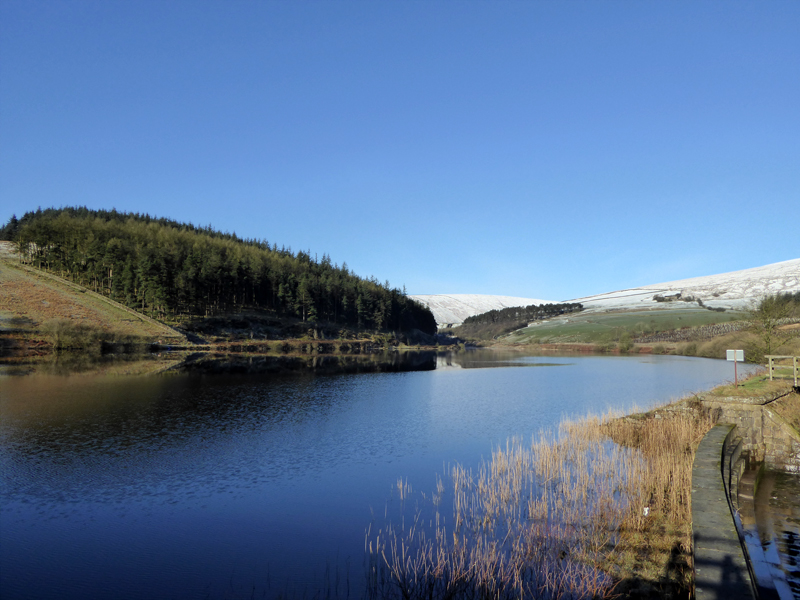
column 766, row 320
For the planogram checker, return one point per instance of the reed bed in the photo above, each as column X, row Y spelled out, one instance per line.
column 596, row 509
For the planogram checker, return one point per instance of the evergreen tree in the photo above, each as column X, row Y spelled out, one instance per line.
column 167, row 268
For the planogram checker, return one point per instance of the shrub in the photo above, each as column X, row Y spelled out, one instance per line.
column 67, row 335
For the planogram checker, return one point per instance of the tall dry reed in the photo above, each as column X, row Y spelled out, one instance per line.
column 555, row 518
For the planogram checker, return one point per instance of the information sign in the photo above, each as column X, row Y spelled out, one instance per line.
column 735, row 356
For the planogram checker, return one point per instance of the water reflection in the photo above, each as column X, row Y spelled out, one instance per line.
column 136, row 363
column 194, row 485
column 481, row 359
column 379, row 362
column 777, row 529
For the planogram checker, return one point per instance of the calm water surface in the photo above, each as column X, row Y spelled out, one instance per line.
column 772, row 535
column 251, row 486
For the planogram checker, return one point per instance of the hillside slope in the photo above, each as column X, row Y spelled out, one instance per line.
column 29, row 298
column 734, row 290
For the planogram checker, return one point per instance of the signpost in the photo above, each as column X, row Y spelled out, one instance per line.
column 735, row 356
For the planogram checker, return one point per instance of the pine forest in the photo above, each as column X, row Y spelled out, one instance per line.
column 171, row 271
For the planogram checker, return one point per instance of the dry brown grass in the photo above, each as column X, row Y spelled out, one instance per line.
column 653, row 556
column 29, row 299
column 788, row 407
column 570, row 515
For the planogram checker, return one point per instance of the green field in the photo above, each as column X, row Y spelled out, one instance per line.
column 607, row 327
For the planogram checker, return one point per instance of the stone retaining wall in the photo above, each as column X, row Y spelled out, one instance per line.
column 765, row 434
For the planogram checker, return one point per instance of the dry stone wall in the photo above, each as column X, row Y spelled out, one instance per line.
column 693, row 334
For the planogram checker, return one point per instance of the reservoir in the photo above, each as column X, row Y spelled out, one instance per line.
column 254, row 485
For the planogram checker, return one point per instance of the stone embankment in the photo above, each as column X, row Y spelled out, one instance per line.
column 766, row 436
column 748, row 433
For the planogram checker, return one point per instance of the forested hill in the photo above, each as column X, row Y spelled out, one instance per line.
column 171, row 270
column 497, row 322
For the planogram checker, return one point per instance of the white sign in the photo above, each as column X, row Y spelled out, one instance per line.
column 735, row 355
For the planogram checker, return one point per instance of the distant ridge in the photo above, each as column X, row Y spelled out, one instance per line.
column 734, row 290
column 452, row 309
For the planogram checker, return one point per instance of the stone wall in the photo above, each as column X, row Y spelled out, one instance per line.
column 766, row 436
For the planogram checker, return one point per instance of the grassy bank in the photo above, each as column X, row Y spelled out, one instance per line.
column 41, row 311
column 715, row 347
column 615, row 327
column 770, row 326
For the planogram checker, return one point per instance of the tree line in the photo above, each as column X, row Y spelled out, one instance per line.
column 498, row 322
column 524, row 314
column 170, row 270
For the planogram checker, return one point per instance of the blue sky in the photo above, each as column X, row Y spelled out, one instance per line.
column 540, row 149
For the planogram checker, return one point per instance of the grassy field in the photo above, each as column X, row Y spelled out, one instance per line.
column 608, row 327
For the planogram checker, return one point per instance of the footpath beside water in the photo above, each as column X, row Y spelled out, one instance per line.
column 730, row 561
column 720, row 566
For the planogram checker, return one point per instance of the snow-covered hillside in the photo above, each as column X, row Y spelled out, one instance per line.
column 452, row 309
column 738, row 289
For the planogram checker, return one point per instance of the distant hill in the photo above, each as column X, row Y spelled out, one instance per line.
column 450, row 310
column 734, row 290
column 495, row 323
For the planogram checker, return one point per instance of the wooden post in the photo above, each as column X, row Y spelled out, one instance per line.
column 771, row 366
column 735, row 356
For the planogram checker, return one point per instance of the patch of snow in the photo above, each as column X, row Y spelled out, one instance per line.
column 452, row 309
column 734, row 290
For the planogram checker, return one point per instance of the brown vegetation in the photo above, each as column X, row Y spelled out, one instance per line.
column 788, row 407
column 653, row 557
column 570, row 515
column 31, row 299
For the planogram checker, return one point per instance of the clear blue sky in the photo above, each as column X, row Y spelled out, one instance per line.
column 541, row 149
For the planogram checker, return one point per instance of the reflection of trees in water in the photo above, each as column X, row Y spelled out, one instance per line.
column 784, row 521
column 773, row 533
column 67, row 363
column 389, row 362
